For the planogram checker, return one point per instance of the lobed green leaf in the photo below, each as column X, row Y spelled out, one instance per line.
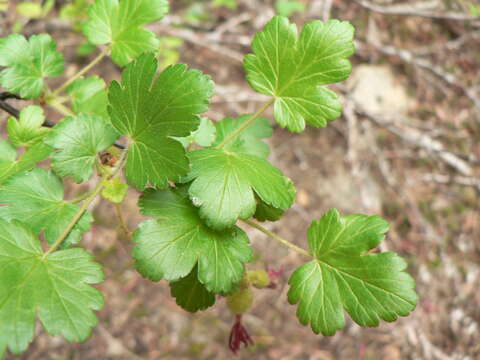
column 89, row 95
column 28, row 63
column 36, row 198
column 151, row 111
column 343, row 275
column 225, row 185
column 293, row 68
column 27, row 130
column 78, row 140
column 191, row 294
column 249, row 140
column 119, row 23
column 55, row 288
column 10, row 166
column 178, row 240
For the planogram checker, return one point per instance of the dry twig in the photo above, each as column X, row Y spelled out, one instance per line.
column 419, row 8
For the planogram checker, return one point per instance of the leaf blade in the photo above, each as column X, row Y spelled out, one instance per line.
column 341, row 277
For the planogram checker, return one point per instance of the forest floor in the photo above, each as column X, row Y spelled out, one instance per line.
column 407, row 148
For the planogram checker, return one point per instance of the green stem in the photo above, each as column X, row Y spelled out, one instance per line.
column 75, row 219
column 85, row 206
column 83, row 71
column 80, row 198
column 121, row 220
column 277, row 238
column 246, row 124
column 62, row 109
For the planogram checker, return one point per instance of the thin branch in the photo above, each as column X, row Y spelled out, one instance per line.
column 75, row 219
column 8, row 95
column 9, row 108
column 81, row 72
column 121, row 220
column 246, row 124
column 409, row 9
column 84, row 207
column 410, row 58
column 277, row 238
column 448, row 179
column 417, row 138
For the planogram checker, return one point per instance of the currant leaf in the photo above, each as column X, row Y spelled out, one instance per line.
column 203, row 136
column 27, row 130
column 78, row 140
column 56, row 288
column 343, row 275
column 248, row 141
column 191, row 294
column 114, row 190
column 89, row 95
column 36, row 198
column 267, row 212
column 225, row 184
column 151, row 111
column 292, row 68
column 178, row 240
column 7, row 151
column 9, row 166
column 119, row 23
column 28, row 63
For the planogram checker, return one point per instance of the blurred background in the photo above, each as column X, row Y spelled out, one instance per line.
column 407, row 147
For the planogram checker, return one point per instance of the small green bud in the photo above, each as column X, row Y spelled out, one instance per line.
column 258, row 278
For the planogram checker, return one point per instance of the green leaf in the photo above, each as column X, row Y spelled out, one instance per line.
column 289, row 7
column 292, row 68
column 231, row 4
column 27, row 130
column 36, row 198
column 74, row 12
column 248, row 141
column 203, row 136
column 170, row 246
column 225, row 184
column 28, row 63
column 150, row 112
column 8, row 152
column 10, row 167
column 343, row 275
column 114, row 190
column 78, row 140
column 266, row 212
column 119, row 24
column 191, row 294
column 55, row 288
column 89, row 96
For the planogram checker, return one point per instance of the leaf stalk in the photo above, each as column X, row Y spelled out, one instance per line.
column 277, row 238
column 85, row 206
column 94, row 62
column 246, row 124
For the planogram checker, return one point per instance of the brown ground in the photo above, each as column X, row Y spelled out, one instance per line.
column 382, row 157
